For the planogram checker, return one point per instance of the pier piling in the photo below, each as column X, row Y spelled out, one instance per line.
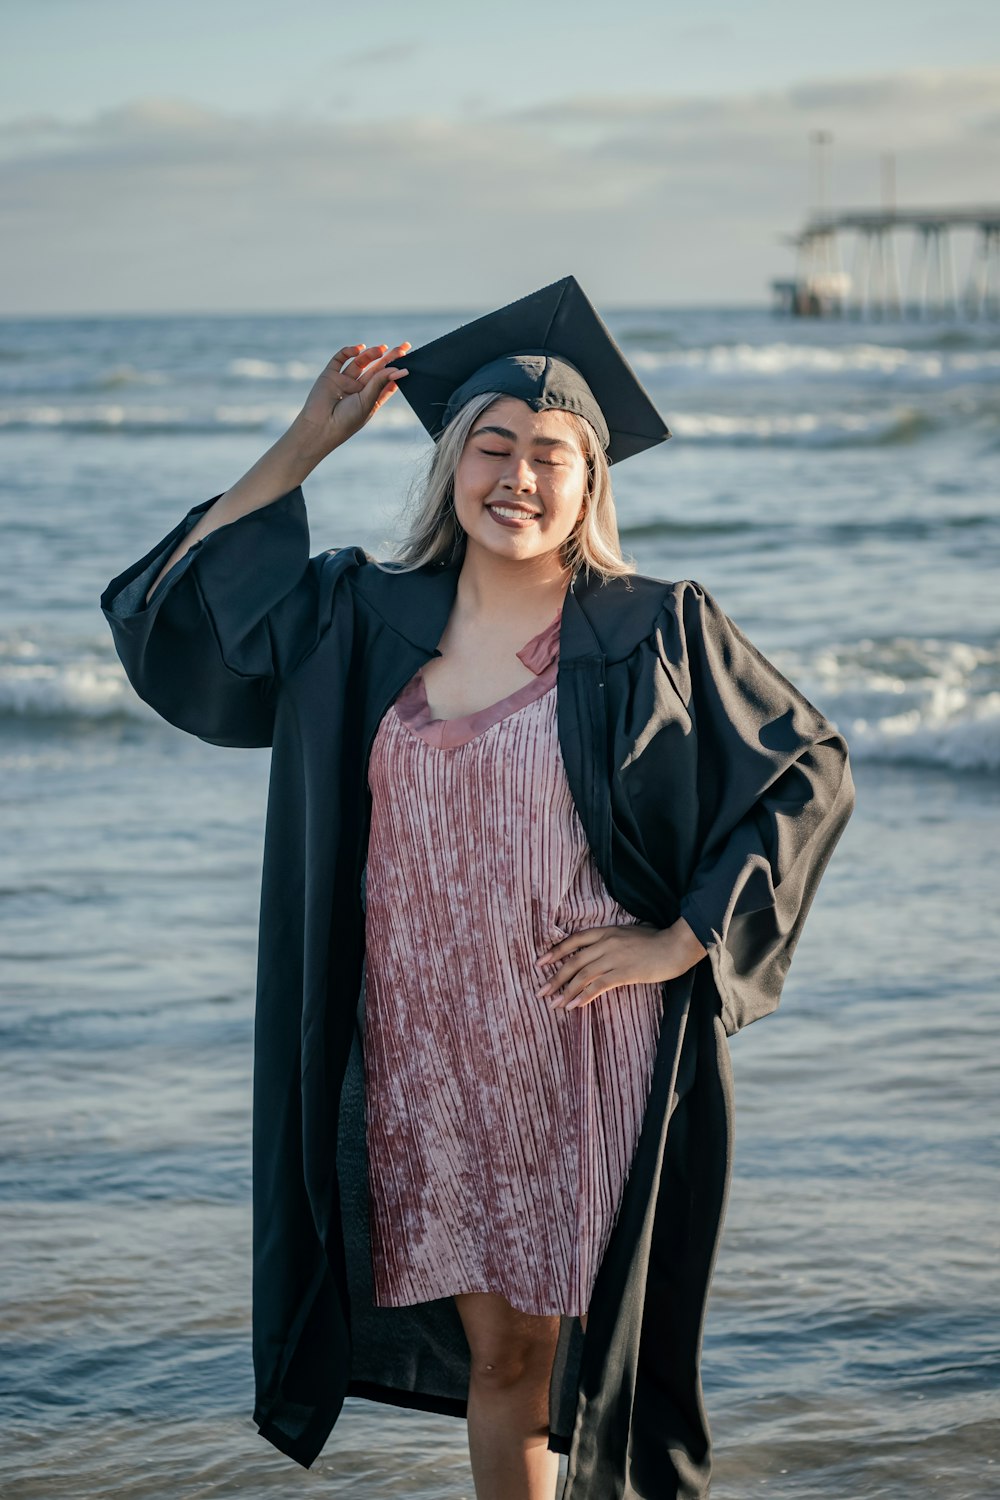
column 873, row 288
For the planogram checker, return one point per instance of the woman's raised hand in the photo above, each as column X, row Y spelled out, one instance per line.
column 351, row 388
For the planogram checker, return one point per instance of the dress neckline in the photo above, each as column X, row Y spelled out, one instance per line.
column 540, row 655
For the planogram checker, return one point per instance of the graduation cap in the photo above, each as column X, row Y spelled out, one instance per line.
column 550, row 349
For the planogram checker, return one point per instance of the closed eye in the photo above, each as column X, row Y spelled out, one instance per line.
column 493, row 453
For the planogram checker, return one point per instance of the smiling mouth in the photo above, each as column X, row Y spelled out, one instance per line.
column 514, row 512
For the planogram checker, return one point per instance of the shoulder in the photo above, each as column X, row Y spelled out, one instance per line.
column 638, row 611
column 340, row 561
column 414, row 603
column 333, row 577
column 353, row 570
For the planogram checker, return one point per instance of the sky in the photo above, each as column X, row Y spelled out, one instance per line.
column 230, row 155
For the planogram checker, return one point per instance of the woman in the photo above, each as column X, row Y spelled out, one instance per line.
column 507, row 726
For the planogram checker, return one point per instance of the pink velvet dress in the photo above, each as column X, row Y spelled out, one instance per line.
column 500, row 1132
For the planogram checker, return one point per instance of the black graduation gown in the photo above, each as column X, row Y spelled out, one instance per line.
column 708, row 786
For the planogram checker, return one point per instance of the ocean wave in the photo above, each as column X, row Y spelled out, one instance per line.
column 871, row 362
column 140, row 420
column 647, row 337
column 806, row 429
column 836, row 532
column 948, row 336
column 660, row 526
column 970, row 742
column 926, row 702
column 51, row 757
column 905, row 700
column 901, row 424
column 87, row 688
column 269, row 369
column 55, row 383
column 126, row 375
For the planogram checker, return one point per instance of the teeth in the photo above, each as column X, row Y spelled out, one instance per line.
column 515, row 515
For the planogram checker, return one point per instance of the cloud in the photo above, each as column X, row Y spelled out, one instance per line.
column 164, row 203
column 938, row 104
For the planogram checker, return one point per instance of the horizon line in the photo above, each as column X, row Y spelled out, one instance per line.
column 381, row 311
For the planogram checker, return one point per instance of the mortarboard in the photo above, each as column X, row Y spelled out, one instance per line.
column 551, row 349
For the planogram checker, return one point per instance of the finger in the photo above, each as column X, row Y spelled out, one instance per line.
column 381, row 354
column 350, row 379
column 584, row 976
column 585, row 993
column 382, row 390
column 590, row 952
column 381, row 378
column 591, row 993
column 343, row 355
column 570, row 944
column 561, row 977
column 383, row 359
column 360, row 362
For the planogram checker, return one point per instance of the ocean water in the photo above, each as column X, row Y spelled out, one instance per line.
column 835, row 485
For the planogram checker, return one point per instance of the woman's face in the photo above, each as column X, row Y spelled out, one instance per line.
column 521, row 480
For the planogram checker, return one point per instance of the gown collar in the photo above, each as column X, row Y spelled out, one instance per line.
column 598, row 620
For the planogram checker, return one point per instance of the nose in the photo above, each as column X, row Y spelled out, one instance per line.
column 519, row 477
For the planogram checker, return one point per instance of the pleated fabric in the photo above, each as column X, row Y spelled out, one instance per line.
column 500, row 1132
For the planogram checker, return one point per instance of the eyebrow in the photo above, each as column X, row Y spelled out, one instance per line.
column 505, row 432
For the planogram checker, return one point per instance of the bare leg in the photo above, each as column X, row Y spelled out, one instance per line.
column 512, row 1354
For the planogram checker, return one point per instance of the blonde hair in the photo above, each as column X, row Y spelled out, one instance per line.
column 431, row 531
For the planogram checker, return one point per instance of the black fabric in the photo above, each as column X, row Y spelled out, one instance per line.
column 551, row 349
column 708, row 786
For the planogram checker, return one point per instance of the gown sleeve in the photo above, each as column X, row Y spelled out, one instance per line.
column 775, row 793
column 228, row 620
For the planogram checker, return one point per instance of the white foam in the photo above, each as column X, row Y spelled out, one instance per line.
column 965, row 741
column 107, row 417
column 85, row 689
column 266, row 369
column 878, row 362
column 930, row 702
column 801, row 428
column 125, row 375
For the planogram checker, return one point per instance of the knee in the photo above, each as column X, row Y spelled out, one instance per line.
column 507, row 1348
column 501, row 1366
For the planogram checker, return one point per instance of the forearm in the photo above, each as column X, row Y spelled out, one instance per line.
column 283, row 467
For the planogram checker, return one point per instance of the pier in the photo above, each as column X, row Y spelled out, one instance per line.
column 875, row 286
